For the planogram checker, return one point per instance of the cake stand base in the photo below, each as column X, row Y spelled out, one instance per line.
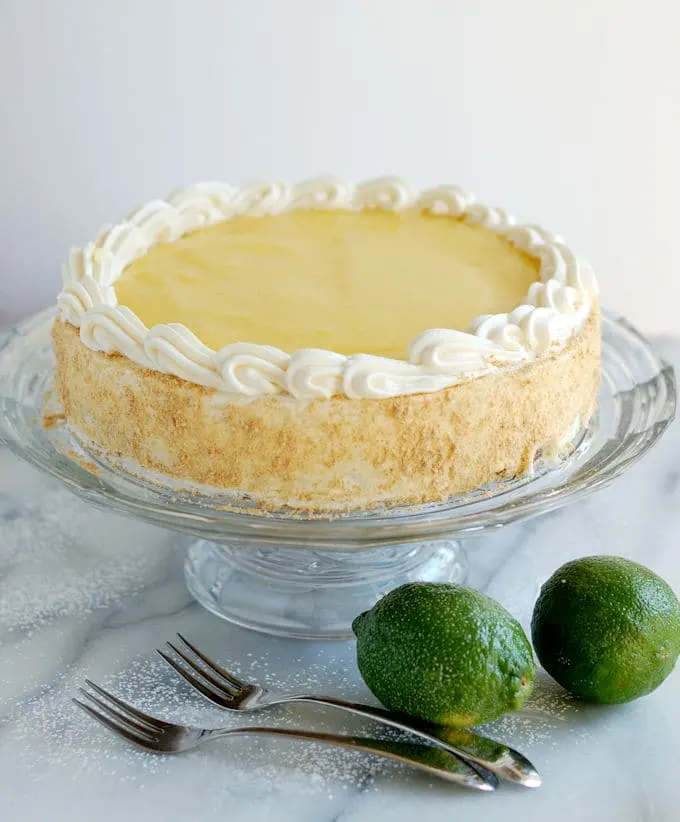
column 310, row 594
column 279, row 573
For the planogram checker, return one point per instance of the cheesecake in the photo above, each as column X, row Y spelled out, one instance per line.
column 327, row 346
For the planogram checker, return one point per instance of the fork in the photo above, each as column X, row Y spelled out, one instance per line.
column 160, row 736
column 224, row 689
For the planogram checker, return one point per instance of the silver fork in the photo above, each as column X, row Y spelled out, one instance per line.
column 168, row 737
column 222, row 688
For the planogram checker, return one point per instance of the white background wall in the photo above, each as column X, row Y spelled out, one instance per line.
column 567, row 113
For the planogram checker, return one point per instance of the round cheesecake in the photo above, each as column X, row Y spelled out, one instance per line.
column 327, row 346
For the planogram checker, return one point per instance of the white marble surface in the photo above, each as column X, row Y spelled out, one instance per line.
column 86, row 593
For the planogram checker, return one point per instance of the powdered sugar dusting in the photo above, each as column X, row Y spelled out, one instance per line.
column 85, row 564
column 86, row 593
column 107, row 592
column 48, row 730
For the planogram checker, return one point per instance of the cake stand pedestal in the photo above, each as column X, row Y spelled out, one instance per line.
column 312, row 593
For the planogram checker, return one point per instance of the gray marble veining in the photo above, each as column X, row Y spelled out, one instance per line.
column 84, row 592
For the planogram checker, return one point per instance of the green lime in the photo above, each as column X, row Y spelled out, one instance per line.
column 444, row 653
column 607, row 629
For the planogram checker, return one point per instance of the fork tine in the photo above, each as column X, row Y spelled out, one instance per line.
column 197, row 669
column 119, row 716
column 115, row 726
column 218, row 669
column 152, row 722
column 218, row 697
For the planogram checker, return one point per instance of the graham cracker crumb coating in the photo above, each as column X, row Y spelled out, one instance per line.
column 329, row 454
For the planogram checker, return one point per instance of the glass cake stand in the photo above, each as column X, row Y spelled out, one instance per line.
column 309, row 576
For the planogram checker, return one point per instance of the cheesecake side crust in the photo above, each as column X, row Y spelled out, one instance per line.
column 330, row 454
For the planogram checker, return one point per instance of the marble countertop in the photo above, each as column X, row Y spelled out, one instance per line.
column 87, row 593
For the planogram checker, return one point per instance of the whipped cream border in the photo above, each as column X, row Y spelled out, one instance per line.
column 556, row 306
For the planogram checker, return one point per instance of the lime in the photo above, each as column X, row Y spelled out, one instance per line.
column 444, row 653
column 607, row 629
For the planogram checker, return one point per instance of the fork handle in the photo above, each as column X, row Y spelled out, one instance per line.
column 433, row 761
column 487, row 753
